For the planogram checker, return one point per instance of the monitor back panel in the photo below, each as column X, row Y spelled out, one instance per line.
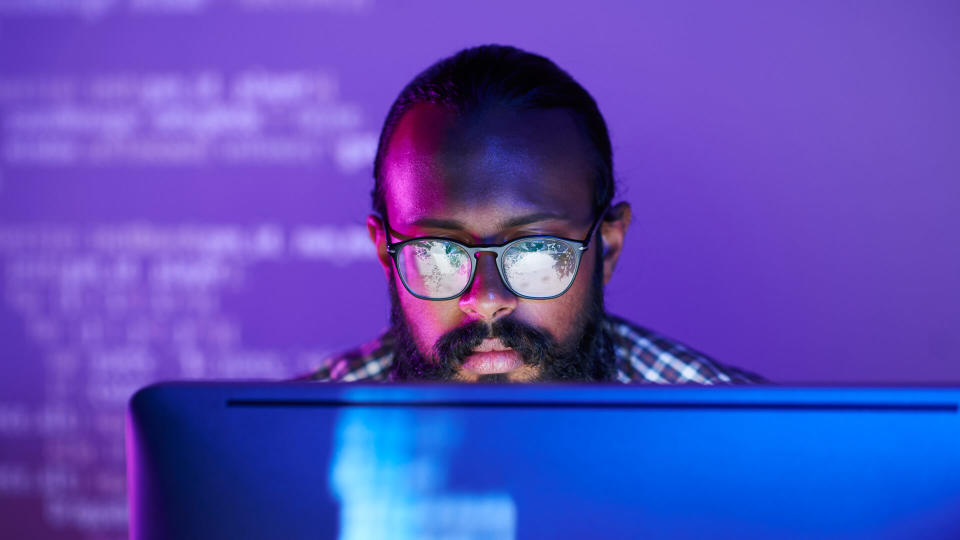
column 322, row 461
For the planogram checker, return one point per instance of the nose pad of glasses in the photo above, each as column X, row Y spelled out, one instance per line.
column 492, row 273
column 488, row 296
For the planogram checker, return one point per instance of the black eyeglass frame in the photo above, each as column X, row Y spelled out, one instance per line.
column 578, row 246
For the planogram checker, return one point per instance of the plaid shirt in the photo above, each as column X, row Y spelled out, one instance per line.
column 642, row 356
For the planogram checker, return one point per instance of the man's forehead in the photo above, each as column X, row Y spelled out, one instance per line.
column 498, row 163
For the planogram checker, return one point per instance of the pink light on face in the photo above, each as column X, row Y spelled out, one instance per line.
column 489, row 178
column 416, row 183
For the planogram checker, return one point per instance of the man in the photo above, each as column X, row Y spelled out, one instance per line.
column 494, row 227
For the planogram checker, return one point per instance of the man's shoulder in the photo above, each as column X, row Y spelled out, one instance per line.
column 370, row 361
column 645, row 356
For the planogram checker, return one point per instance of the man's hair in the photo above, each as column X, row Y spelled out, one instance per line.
column 497, row 75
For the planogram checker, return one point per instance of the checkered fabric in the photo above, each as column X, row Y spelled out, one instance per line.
column 642, row 356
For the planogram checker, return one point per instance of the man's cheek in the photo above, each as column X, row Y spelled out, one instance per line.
column 427, row 322
column 554, row 316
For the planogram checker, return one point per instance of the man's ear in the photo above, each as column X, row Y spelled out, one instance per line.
column 613, row 230
column 378, row 236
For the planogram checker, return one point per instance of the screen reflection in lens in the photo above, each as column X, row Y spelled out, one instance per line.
column 540, row 267
column 434, row 268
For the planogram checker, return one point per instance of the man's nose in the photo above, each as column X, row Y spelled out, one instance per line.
column 487, row 298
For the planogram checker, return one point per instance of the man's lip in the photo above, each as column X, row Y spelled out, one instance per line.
column 484, row 363
column 491, row 344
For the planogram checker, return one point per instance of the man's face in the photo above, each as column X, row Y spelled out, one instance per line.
column 487, row 179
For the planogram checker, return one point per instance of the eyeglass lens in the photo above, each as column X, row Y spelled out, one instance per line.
column 434, row 268
column 538, row 267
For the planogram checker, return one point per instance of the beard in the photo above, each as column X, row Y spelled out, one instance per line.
column 587, row 355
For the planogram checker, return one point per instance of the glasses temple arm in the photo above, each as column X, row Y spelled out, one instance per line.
column 593, row 229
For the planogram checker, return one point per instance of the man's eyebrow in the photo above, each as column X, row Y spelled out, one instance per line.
column 452, row 224
column 437, row 223
column 531, row 218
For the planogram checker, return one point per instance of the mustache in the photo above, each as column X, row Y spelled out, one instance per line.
column 532, row 344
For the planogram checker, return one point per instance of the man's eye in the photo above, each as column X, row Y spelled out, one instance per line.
column 532, row 245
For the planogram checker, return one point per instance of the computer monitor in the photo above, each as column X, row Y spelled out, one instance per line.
column 301, row 460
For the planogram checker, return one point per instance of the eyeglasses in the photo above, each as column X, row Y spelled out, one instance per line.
column 536, row 267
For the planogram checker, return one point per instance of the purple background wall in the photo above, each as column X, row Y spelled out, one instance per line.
column 173, row 175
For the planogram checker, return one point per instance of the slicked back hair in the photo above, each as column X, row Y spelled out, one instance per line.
column 498, row 75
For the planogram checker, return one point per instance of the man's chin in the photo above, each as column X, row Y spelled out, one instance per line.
column 522, row 374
